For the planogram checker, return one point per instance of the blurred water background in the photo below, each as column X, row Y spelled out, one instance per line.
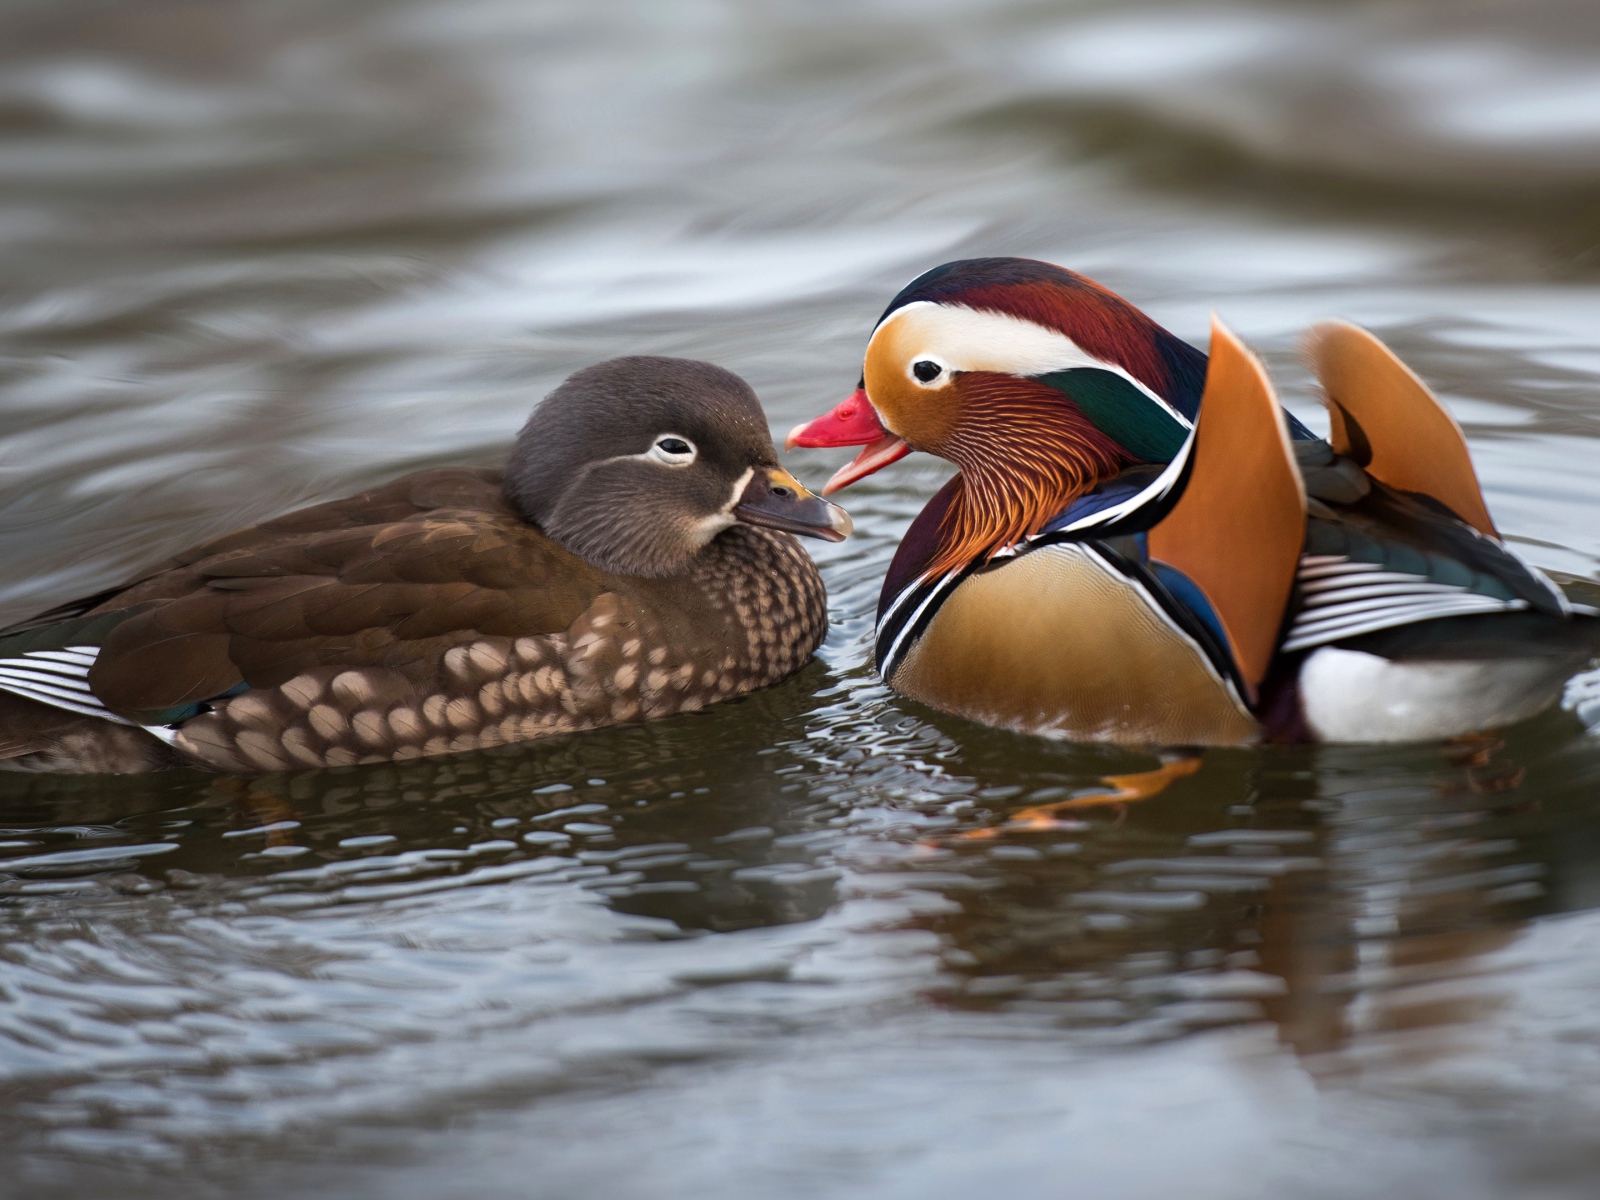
column 260, row 252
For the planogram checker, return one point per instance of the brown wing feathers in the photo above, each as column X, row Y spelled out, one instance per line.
column 385, row 626
column 292, row 594
column 757, row 619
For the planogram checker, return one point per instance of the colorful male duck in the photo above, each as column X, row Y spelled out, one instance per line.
column 633, row 560
column 1140, row 545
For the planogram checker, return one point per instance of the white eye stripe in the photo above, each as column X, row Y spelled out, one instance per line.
column 672, row 450
column 972, row 339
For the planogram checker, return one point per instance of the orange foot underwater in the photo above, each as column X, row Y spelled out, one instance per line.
column 1125, row 789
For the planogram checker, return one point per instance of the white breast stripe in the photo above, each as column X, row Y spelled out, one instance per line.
column 905, row 594
column 1158, row 487
column 892, row 658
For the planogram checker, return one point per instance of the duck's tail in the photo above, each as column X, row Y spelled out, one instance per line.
column 43, row 738
column 50, row 718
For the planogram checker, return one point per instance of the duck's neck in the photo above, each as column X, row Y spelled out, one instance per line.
column 1025, row 452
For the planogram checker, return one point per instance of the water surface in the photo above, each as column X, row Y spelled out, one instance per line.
column 261, row 253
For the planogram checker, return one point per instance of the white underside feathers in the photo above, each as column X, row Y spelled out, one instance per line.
column 1350, row 696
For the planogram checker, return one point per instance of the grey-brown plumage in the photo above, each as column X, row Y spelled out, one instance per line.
column 602, row 579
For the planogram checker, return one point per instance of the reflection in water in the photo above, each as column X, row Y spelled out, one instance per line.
column 819, row 941
column 1348, row 896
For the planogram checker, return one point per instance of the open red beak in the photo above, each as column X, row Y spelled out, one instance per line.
column 853, row 423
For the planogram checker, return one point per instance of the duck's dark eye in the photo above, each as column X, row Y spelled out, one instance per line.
column 671, row 450
column 926, row 370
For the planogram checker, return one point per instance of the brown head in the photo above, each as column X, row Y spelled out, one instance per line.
column 637, row 464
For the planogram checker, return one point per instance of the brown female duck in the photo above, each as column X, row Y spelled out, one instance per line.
column 633, row 560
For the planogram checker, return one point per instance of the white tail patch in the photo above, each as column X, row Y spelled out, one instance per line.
column 1349, row 696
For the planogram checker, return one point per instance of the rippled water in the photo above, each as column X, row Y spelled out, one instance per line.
column 257, row 253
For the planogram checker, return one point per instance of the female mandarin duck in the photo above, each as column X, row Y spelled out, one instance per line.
column 1122, row 558
column 633, row 560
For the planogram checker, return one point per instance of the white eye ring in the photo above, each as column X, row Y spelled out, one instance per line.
column 939, row 377
column 672, row 450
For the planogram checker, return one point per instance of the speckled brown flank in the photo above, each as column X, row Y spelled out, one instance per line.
column 426, row 618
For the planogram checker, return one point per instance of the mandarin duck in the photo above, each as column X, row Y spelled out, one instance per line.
column 633, row 560
column 1141, row 546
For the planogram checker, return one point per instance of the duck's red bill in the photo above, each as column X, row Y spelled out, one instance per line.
column 852, row 423
column 875, row 457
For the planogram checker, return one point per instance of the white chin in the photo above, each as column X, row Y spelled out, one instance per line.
column 1349, row 696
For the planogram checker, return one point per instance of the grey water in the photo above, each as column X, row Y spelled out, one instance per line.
column 255, row 253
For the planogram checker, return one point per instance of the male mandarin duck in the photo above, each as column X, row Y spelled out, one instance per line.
column 1141, row 546
column 633, row 560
